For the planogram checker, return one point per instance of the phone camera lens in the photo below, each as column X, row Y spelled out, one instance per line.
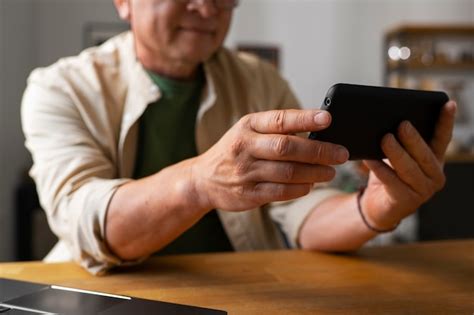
column 327, row 101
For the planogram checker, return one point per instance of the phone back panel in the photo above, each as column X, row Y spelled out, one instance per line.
column 362, row 115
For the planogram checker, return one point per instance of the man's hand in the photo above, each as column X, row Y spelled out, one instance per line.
column 260, row 160
column 413, row 174
column 396, row 188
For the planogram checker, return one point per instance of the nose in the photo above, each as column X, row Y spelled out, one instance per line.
column 206, row 8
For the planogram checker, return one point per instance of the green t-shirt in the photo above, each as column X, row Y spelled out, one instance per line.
column 166, row 137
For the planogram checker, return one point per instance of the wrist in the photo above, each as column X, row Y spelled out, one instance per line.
column 181, row 187
column 195, row 188
column 379, row 224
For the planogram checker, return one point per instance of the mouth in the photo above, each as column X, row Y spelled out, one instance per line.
column 197, row 30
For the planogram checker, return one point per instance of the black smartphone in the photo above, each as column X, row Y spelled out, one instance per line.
column 362, row 115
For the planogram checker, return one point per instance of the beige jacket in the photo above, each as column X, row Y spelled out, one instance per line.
column 80, row 119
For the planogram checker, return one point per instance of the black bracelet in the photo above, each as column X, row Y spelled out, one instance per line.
column 370, row 227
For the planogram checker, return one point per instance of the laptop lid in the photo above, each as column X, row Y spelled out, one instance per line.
column 30, row 298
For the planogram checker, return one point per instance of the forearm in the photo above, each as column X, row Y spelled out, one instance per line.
column 147, row 214
column 335, row 225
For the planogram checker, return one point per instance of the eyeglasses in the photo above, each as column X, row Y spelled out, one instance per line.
column 219, row 4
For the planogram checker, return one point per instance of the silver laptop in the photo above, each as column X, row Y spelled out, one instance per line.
column 22, row 298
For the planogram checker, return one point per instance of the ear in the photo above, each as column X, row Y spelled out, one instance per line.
column 123, row 9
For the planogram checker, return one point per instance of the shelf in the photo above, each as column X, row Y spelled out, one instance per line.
column 460, row 30
column 437, row 41
column 434, row 57
column 436, row 66
column 460, row 157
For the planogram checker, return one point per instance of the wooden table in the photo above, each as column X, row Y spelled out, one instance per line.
column 425, row 278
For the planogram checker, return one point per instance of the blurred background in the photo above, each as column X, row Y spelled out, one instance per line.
column 425, row 44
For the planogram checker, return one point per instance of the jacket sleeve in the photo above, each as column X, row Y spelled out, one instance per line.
column 75, row 178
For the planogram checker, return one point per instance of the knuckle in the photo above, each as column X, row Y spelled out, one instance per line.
column 318, row 152
column 270, row 192
column 289, row 172
column 278, row 120
column 245, row 121
column 410, row 171
column 426, row 159
column 237, row 146
column 239, row 191
column 241, row 169
column 325, row 174
column 281, row 146
column 425, row 192
column 306, row 190
column 280, row 192
column 429, row 189
column 397, row 153
column 260, row 194
column 302, row 120
column 391, row 147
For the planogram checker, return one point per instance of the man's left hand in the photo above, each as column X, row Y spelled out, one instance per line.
column 412, row 174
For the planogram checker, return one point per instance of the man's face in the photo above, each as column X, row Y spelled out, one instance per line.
column 177, row 30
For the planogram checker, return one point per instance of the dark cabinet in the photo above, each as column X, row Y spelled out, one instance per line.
column 450, row 213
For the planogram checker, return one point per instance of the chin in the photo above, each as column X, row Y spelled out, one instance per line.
column 196, row 46
column 196, row 54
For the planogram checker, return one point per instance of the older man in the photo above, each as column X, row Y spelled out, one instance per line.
column 162, row 141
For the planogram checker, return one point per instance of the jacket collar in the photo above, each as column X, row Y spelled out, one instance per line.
column 142, row 91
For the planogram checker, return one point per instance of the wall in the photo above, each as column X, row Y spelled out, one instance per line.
column 16, row 46
column 59, row 25
column 328, row 41
column 5, row 239
column 32, row 33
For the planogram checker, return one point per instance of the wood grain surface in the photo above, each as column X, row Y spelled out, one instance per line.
column 423, row 278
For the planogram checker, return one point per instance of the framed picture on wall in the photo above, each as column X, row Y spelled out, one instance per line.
column 96, row 33
column 270, row 53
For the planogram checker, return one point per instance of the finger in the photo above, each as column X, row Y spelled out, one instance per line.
column 269, row 192
column 404, row 165
column 288, row 121
column 297, row 149
column 421, row 153
column 444, row 130
column 290, row 173
column 393, row 184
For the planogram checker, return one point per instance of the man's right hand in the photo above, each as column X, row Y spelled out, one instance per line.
column 261, row 160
